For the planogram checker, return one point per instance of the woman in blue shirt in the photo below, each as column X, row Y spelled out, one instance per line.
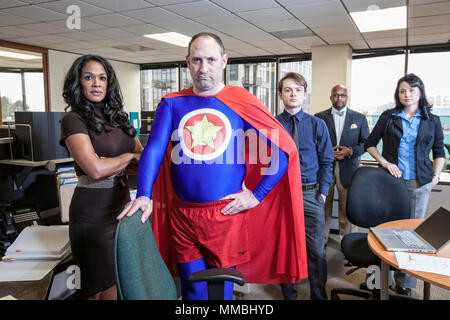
column 410, row 132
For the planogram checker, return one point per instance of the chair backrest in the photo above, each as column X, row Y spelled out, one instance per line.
column 141, row 273
column 375, row 196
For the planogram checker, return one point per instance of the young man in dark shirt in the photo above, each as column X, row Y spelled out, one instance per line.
column 316, row 162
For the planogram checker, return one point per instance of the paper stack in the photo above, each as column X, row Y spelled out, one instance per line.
column 36, row 251
column 66, row 176
column 66, row 181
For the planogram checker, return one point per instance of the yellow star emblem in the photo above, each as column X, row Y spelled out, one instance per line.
column 203, row 133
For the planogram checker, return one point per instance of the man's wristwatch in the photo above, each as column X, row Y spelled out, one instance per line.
column 435, row 175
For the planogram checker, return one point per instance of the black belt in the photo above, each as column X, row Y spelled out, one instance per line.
column 309, row 186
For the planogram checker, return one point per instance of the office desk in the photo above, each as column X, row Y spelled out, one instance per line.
column 27, row 166
column 33, row 290
column 388, row 258
column 27, row 290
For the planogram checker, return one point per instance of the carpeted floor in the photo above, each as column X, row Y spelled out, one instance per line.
column 336, row 279
column 336, row 270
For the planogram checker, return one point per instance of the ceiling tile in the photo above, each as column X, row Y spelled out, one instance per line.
column 271, row 43
column 388, row 42
column 358, row 45
column 142, row 29
column 152, row 15
column 433, row 9
column 429, row 21
column 85, row 25
column 280, row 50
column 256, row 52
column 120, row 5
column 34, row 1
column 336, row 30
column 14, row 32
column 306, row 40
column 113, row 20
column 43, row 40
column 265, row 15
column 239, row 5
column 362, row 5
column 196, row 9
column 428, row 30
column 317, row 9
column 35, row 13
column 385, row 34
column 219, row 21
column 86, row 10
column 181, row 26
column 7, row 19
column 83, row 44
column 294, row 2
column 112, row 33
column 442, row 37
column 11, row 3
column 416, row 2
column 168, row 2
column 45, row 27
column 81, row 36
column 330, row 21
column 287, row 24
column 341, row 38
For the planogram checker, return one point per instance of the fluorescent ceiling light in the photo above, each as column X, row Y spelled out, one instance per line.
column 172, row 38
column 16, row 55
column 376, row 19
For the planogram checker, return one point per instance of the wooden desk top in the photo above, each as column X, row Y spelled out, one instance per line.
column 389, row 256
column 28, row 163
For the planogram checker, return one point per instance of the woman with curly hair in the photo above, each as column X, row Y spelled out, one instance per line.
column 409, row 133
column 104, row 146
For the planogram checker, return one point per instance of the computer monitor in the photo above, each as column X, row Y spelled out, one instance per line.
column 37, row 136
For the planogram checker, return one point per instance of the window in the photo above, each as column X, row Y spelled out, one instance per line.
column 186, row 80
column 145, row 99
column 257, row 78
column 160, row 82
column 11, row 95
column 233, row 72
column 21, row 83
column 372, row 89
column 433, row 69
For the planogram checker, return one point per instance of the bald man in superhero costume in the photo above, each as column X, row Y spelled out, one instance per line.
column 217, row 202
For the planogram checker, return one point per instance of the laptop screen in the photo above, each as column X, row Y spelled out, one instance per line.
column 436, row 228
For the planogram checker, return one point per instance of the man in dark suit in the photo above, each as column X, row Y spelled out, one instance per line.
column 348, row 132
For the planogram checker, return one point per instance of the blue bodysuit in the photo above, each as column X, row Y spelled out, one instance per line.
column 208, row 143
column 194, row 178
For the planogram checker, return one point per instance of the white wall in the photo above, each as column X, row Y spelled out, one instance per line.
column 127, row 73
column 331, row 65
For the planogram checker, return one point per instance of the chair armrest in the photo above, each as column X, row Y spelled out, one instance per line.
column 218, row 275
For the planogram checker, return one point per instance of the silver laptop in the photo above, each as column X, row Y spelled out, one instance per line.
column 430, row 236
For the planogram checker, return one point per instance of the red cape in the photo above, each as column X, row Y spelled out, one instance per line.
column 276, row 226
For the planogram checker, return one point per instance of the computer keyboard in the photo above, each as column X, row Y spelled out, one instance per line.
column 410, row 239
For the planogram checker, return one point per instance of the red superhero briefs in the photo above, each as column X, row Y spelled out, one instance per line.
column 200, row 230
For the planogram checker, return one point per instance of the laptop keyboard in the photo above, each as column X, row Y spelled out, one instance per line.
column 409, row 239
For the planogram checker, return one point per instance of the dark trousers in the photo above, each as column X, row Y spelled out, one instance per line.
column 313, row 206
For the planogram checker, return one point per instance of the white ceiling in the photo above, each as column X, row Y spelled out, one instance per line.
column 247, row 27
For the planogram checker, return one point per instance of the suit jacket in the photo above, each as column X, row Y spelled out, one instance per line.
column 354, row 135
column 430, row 138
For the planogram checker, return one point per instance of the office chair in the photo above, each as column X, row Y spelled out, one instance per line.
column 141, row 273
column 374, row 197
